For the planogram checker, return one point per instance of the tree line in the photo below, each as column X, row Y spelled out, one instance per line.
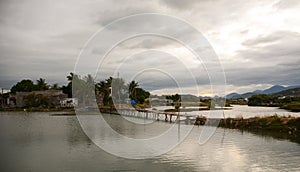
column 285, row 102
column 83, row 89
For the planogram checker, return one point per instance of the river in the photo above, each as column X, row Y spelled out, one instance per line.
column 242, row 111
column 40, row 142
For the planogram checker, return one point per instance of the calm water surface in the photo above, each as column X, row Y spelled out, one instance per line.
column 39, row 142
column 246, row 112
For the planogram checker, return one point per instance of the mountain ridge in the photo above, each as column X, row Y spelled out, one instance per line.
column 272, row 90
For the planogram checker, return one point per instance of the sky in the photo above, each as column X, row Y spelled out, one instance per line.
column 257, row 42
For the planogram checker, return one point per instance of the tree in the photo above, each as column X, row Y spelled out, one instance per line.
column 176, row 100
column 36, row 100
column 132, row 89
column 70, row 76
column 119, row 91
column 116, row 89
column 81, row 88
column 104, row 87
column 25, row 85
column 88, row 89
column 41, row 84
column 260, row 100
column 55, row 86
column 68, row 89
column 141, row 95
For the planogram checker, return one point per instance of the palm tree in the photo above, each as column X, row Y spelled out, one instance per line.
column 41, row 84
column 132, row 89
column 68, row 89
column 119, row 92
column 78, row 86
column 55, row 86
column 89, row 89
column 104, row 88
column 70, row 77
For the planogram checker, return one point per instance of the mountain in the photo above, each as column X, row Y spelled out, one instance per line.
column 292, row 87
column 232, row 95
column 291, row 92
column 257, row 91
column 189, row 98
column 272, row 90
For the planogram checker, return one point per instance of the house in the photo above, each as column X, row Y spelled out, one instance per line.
column 40, row 98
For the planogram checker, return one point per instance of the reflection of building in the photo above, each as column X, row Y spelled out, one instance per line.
column 69, row 102
column 53, row 97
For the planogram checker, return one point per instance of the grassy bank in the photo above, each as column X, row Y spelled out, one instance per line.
column 293, row 107
column 287, row 125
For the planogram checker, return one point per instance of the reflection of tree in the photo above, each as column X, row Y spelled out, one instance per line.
column 75, row 135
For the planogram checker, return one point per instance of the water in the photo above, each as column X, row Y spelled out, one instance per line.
column 39, row 142
column 246, row 112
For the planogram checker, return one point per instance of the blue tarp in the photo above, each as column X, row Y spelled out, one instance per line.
column 132, row 102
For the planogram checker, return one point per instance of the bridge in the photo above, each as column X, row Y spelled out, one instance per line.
column 157, row 115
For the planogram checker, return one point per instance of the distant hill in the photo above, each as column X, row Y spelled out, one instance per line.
column 236, row 95
column 291, row 92
column 233, row 95
column 189, row 98
column 272, row 90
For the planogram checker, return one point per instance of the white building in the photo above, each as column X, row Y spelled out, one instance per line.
column 69, row 102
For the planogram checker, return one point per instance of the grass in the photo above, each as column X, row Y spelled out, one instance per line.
column 293, row 107
column 288, row 125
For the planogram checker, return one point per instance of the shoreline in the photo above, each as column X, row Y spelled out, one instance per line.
column 31, row 109
column 280, row 127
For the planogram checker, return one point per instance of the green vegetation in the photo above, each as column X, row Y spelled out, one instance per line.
column 176, row 100
column 260, row 100
column 288, row 103
column 68, row 88
column 294, row 107
column 289, row 125
column 36, row 100
column 236, row 102
column 121, row 91
column 82, row 88
column 27, row 85
column 295, row 92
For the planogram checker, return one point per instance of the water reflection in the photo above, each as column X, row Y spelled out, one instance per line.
column 75, row 135
column 39, row 142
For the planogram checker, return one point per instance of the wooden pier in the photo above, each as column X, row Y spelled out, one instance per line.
column 157, row 115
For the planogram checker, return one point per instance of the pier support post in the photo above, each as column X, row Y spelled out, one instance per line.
column 166, row 117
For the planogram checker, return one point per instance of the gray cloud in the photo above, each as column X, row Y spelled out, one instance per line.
column 182, row 5
column 43, row 39
column 286, row 4
column 271, row 59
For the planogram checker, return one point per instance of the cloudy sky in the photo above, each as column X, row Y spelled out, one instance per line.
column 257, row 42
